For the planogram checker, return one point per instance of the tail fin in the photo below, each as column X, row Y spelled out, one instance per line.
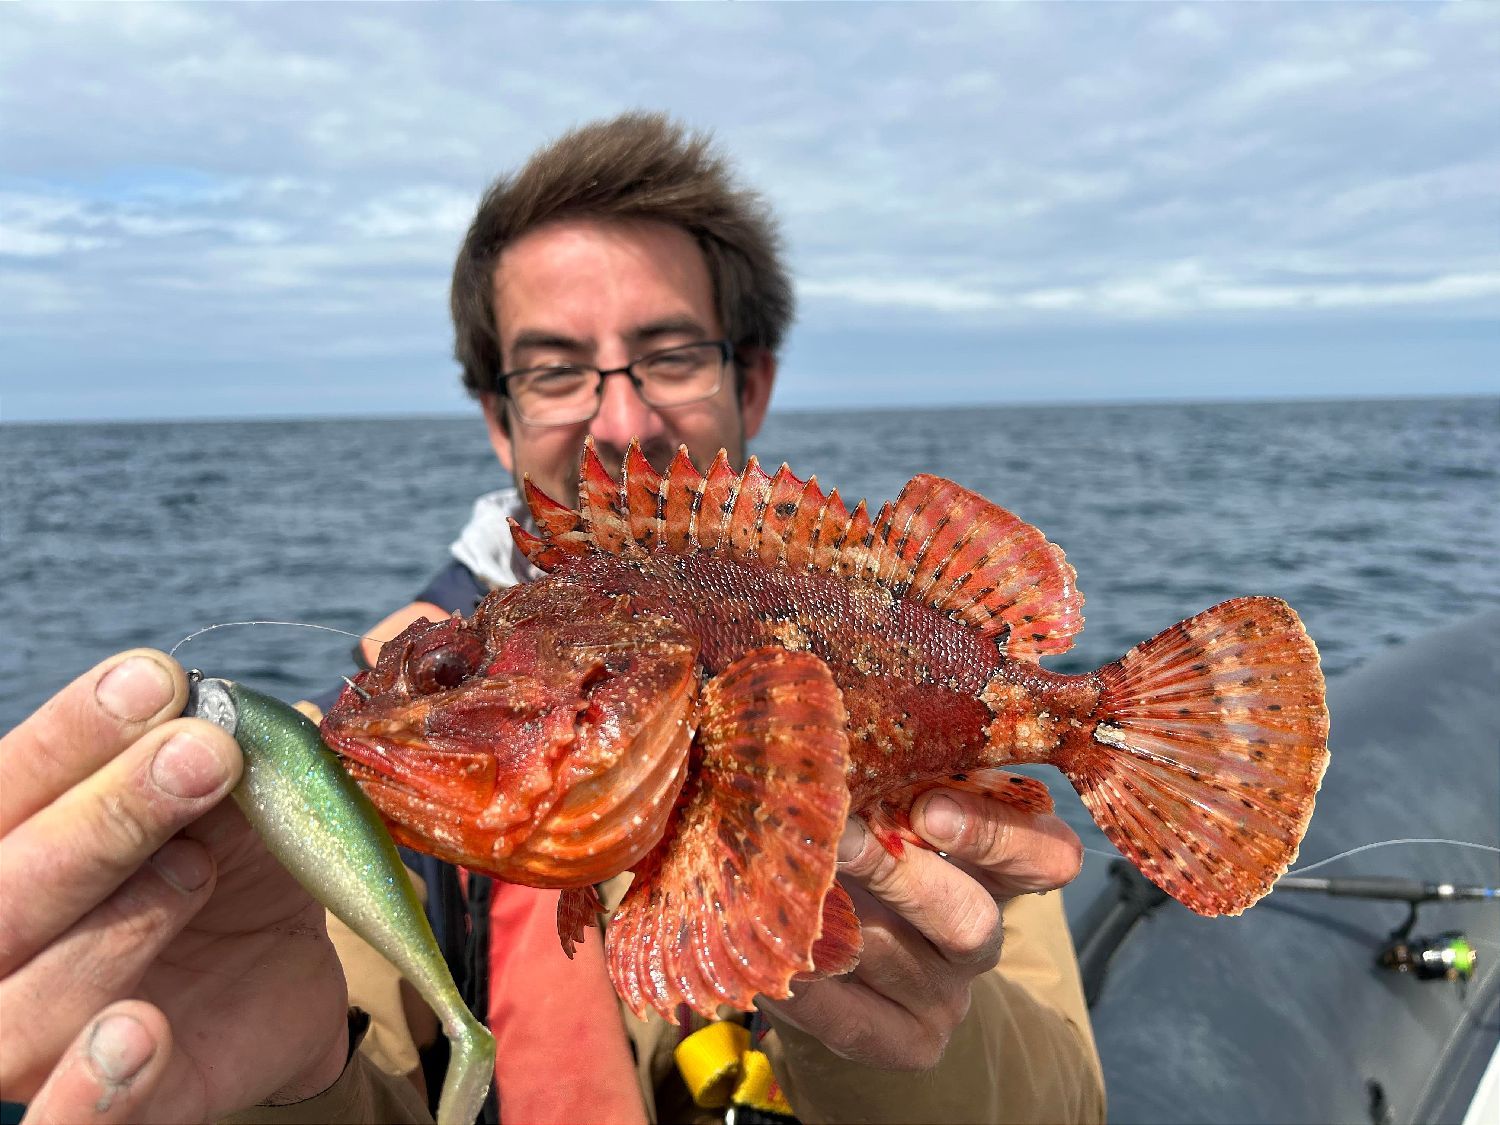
column 1210, row 746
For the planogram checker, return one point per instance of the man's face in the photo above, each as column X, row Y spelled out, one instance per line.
column 604, row 293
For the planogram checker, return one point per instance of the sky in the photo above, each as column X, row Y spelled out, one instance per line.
column 237, row 210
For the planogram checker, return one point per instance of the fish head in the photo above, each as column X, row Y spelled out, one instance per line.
column 546, row 750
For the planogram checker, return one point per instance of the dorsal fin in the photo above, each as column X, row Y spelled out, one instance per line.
column 938, row 544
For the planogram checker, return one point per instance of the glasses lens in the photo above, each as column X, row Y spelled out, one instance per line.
column 563, row 395
column 680, row 375
column 555, row 395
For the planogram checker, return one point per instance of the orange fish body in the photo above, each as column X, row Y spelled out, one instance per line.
column 718, row 669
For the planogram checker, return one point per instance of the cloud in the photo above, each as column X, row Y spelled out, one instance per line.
column 1179, row 289
column 195, row 181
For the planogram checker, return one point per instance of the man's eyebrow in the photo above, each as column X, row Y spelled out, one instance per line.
column 539, row 338
column 668, row 326
column 641, row 336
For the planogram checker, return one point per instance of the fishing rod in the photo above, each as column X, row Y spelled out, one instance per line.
column 1449, row 955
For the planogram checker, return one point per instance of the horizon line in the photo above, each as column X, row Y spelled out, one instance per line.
column 874, row 408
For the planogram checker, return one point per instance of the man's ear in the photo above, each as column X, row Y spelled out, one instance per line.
column 757, row 369
column 499, row 430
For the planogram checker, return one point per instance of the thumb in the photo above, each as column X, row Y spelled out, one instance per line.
column 108, row 1073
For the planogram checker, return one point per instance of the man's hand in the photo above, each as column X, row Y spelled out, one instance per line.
column 931, row 925
column 155, row 962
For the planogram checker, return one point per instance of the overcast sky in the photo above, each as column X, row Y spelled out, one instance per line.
column 231, row 210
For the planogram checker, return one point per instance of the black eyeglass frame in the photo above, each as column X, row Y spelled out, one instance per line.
column 726, row 360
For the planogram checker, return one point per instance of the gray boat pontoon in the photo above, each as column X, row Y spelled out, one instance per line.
column 1286, row 1014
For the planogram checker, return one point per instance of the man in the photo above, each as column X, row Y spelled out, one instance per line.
column 620, row 242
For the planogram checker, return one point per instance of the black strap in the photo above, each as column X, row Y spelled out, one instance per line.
column 454, row 588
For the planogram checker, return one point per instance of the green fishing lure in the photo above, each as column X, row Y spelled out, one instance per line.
column 324, row 830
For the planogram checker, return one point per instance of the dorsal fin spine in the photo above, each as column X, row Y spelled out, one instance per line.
column 850, row 546
column 893, row 561
column 785, row 489
column 599, row 503
column 743, row 533
column 696, row 507
column 877, row 543
column 677, row 501
column 832, row 523
column 814, row 526
column 719, row 496
column 640, row 488
column 937, row 544
column 797, row 538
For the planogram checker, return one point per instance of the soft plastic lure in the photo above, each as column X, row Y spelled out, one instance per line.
column 316, row 821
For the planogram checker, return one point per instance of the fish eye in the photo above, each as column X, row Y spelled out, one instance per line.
column 445, row 665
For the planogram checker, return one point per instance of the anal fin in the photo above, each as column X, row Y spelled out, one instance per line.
column 839, row 943
column 889, row 818
column 730, row 903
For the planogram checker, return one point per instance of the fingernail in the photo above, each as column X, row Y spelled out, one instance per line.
column 118, row 1047
column 942, row 819
column 852, row 842
column 135, row 690
column 187, row 767
column 184, row 864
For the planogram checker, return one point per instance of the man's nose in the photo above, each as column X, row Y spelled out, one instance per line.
column 623, row 415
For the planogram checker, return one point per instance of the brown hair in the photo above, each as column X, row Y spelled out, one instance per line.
column 635, row 166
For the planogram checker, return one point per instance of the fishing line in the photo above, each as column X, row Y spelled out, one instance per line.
column 298, row 624
column 1351, row 851
column 1389, row 843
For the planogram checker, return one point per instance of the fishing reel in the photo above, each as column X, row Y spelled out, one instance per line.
column 1448, row 956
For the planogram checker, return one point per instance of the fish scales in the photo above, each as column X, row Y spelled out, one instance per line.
column 897, row 662
column 719, row 668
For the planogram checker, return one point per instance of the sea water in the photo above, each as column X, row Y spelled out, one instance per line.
column 1376, row 520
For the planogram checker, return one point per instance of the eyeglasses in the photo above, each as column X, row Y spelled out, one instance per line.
column 564, row 394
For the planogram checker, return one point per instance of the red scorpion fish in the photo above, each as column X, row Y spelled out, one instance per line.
column 717, row 670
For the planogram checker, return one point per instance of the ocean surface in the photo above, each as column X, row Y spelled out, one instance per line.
column 1376, row 520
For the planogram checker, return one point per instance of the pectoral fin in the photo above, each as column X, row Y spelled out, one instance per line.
column 731, row 902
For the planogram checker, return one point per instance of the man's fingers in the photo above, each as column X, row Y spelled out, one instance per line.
column 898, row 1008
column 91, row 839
column 108, row 1072
column 945, row 904
column 856, row 1022
column 1012, row 852
column 100, row 959
column 83, row 726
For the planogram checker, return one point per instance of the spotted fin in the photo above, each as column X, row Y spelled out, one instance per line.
column 1210, row 748
column 938, row 544
column 730, row 903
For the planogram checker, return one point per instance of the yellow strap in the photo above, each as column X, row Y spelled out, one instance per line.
column 758, row 1086
column 709, row 1059
column 719, row 1068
